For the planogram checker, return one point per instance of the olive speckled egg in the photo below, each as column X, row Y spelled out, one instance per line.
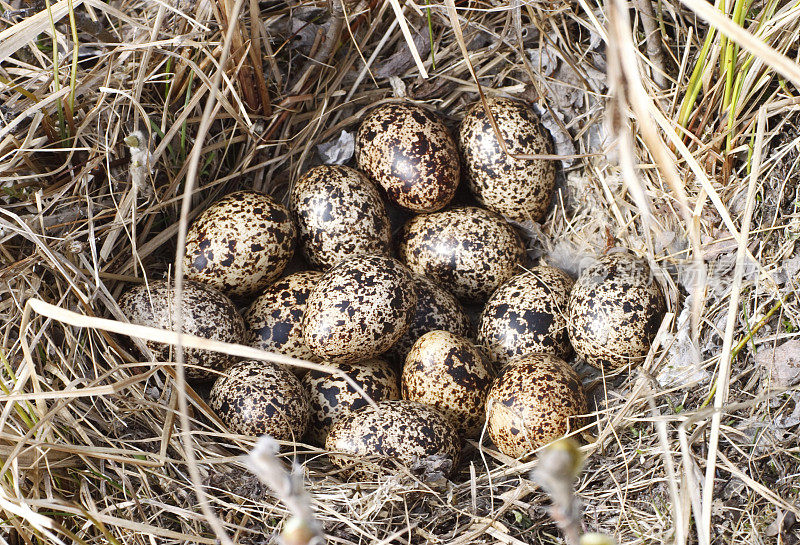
column 394, row 431
column 339, row 214
column 275, row 319
column 410, row 153
column 205, row 312
column 527, row 314
column 359, row 309
column 533, row 402
column 332, row 396
column 436, row 309
column 449, row 373
column 615, row 310
column 468, row 250
column 520, row 189
column 257, row 397
column 240, row 244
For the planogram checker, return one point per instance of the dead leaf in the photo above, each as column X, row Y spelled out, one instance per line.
column 781, row 365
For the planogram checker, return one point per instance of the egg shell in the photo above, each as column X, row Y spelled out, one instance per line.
column 448, row 372
column 468, row 250
column 257, row 397
column 527, row 314
column 331, row 396
column 520, row 189
column 205, row 312
column 411, row 154
column 533, row 402
column 359, row 309
column 437, row 309
column 339, row 214
column 274, row 320
column 240, row 244
column 392, row 432
column 615, row 310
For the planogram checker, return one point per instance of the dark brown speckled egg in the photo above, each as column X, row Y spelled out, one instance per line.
column 447, row 372
column 468, row 250
column 533, row 402
column 205, row 313
column 436, row 309
column 527, row 314
column 257, row 397
column 240, row 244
column 359, row 309
column 520, row 189
column 615, row 310
column 410, row 153
column 339, row 214
column 401, row 432
column 332, row 396
column 275, row 319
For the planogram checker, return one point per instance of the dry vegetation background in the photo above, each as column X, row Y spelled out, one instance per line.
column 677, row 123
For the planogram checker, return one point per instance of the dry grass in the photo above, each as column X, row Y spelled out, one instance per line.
column 680, row 123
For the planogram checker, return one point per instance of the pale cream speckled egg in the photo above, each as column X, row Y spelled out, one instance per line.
column 534, row 401
column 401, row 432
column 527, row 314
column 332, row 396
column 520, row 189
column 468, row 250
column 240, row 244
column 359, row 309
column 275, row 319
column 410, row 153
column 447, row 372
column 615, row 310
column 339, row 214
column 257, row 397
column 436, row 309
column 205, row 312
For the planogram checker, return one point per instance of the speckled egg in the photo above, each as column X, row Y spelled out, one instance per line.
column 436, row 309
column 275, row 319
column 520, row 189
column 615, row 310
column 205, row 313
column 257, row 397
column 240, row 244
column 410, row 153
column 332, row 396
column 359, row 309
column 447, row 372
column 533, row 402
column 527, row 314
column 393, row 432
column 339, row 214
column 468, row 250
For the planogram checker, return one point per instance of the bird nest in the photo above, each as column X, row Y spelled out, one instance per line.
column 675, row 126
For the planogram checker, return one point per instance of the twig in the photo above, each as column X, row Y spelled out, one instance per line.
column 654, row 50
